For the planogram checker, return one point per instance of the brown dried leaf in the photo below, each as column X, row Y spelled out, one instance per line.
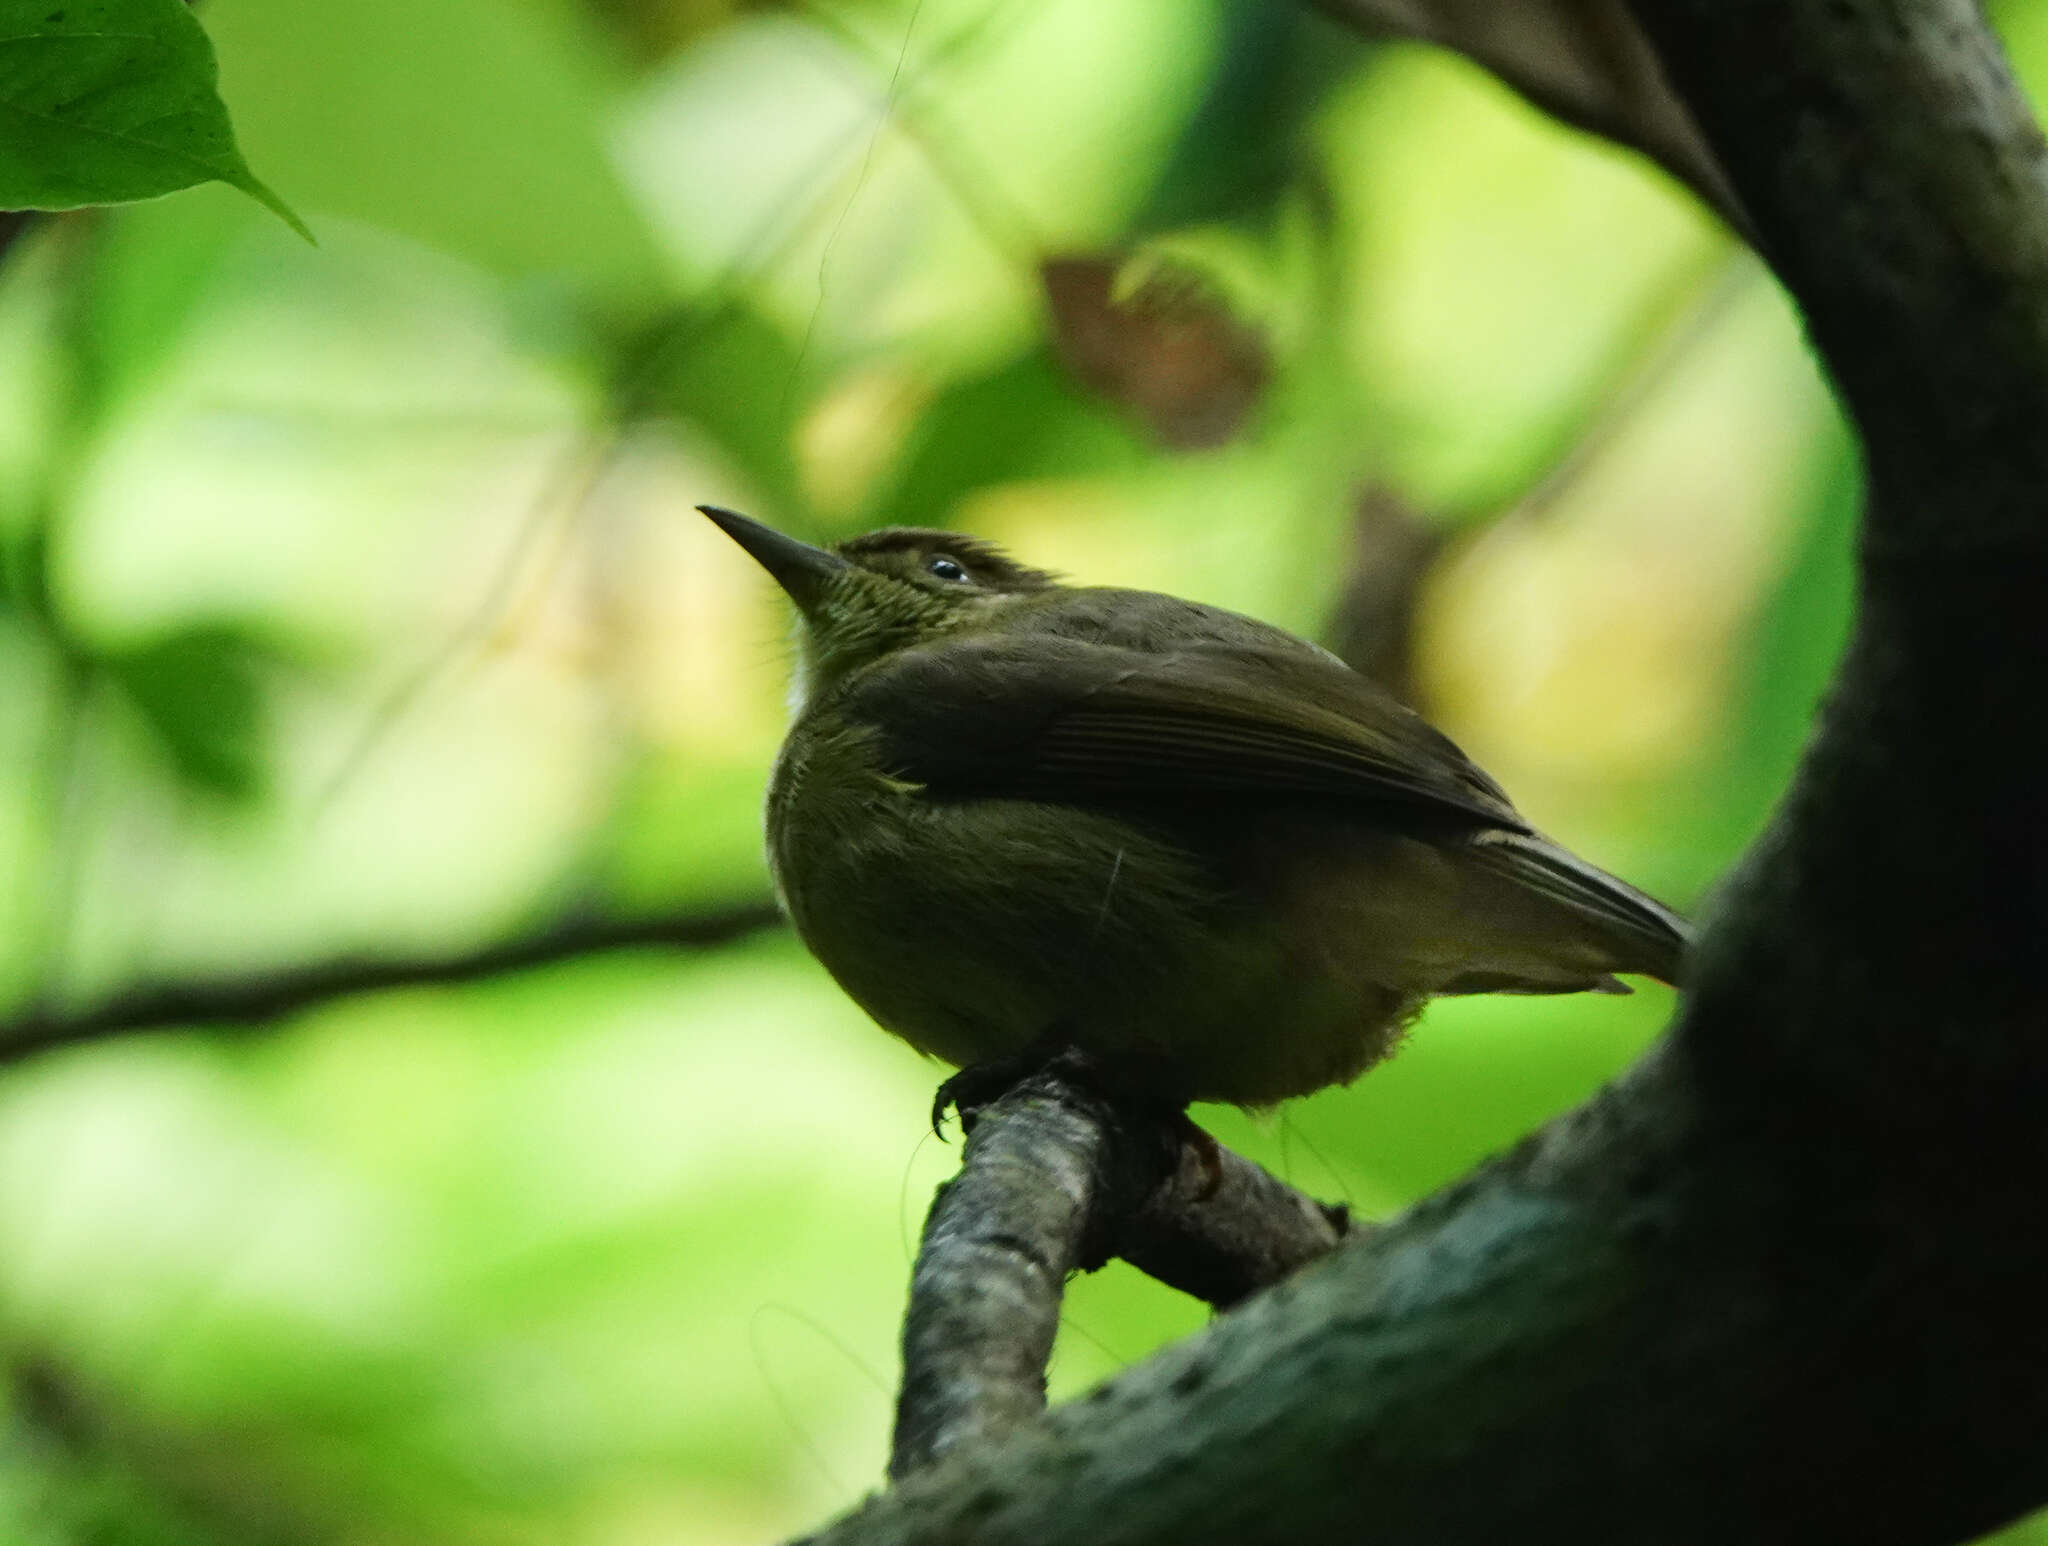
column 1584, row 61
column 1170, row 352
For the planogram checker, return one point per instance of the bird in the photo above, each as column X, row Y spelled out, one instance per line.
column 1014, row 817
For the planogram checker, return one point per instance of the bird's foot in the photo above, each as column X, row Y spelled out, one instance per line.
column 979, row 1084
column 1121, row 1077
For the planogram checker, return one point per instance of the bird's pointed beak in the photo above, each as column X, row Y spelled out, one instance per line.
column 799, row 568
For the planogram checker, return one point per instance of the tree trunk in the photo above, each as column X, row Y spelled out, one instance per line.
column 1783, row 1281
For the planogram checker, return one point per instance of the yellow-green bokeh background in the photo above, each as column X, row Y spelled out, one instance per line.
column 611, row 1252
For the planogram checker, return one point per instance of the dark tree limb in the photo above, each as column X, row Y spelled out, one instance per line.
column 1058, row 1178
column 1906, row 176
column 1585, row 62
column 263, row 997
column 1782, row 1282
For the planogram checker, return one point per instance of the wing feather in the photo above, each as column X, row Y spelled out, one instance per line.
column 1062, row 718
column 1653, row 937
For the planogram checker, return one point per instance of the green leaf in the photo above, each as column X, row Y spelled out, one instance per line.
column 104, row 101
column 729, row 372
column 199, row 690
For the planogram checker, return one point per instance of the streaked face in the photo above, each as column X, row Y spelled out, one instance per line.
column 901, row 587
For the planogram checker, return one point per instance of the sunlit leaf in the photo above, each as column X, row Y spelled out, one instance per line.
column 1484, row 234
column 102, row 101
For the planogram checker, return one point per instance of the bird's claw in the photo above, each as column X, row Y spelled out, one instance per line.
column 981, row 1084
column 1120, row 1077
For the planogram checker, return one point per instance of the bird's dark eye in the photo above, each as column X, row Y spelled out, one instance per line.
column 945, row 568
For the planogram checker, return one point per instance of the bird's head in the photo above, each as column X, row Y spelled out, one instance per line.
column 883, row 590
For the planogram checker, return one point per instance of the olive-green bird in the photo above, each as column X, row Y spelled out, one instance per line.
column 1014, row 814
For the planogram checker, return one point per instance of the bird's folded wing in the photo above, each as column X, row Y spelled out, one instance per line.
column 1051, row 718
column 1649, row 936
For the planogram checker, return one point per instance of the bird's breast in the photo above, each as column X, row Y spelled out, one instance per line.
column 974, row 927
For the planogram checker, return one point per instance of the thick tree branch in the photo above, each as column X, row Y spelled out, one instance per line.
column 1780, row 1282
column 1889, row 921
column 1583, row 61
column 263, row 997
column 1899, row 180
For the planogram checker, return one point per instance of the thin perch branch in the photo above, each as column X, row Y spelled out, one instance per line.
column 1058, row 1178
column 985, row 1293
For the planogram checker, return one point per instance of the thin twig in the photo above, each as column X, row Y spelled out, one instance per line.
column 262, row 997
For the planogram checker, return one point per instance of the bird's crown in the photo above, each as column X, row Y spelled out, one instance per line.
column 942, row 561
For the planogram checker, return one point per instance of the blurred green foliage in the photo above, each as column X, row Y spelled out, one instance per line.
column 199, row 692
column 354, row 608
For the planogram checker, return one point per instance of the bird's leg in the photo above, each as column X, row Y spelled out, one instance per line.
column 1123, row 1077
column 1208, row 1155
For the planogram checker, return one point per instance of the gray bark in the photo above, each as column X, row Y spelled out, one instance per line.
column 1058, row 1178
column 1783, row 1281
